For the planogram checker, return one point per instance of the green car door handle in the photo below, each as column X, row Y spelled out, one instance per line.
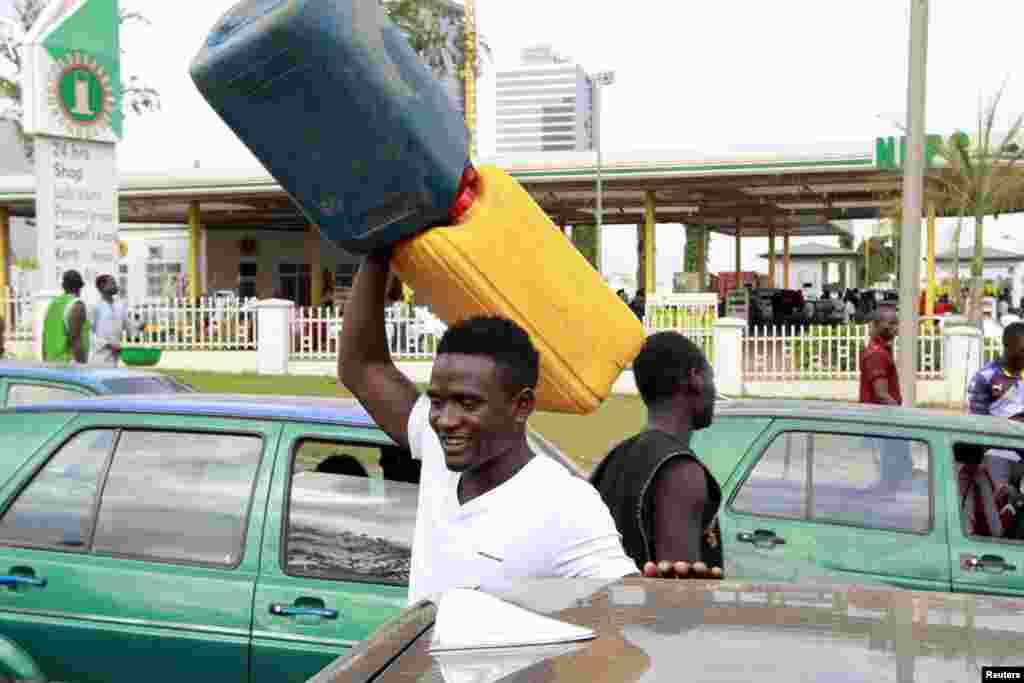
column 280, row 610
column 986, row 563
column 762, row 538
column 16, row 580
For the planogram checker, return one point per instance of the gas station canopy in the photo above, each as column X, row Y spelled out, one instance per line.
column 796, row 191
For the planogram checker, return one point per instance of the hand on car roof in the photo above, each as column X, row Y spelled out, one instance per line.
column 681, row 570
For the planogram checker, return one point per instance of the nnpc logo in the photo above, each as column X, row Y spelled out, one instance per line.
column 81, row 97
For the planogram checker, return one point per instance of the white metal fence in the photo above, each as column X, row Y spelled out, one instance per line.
column 691, row 320
column 16, row 310
column 206, row 325
column 822, row 352
column 412, row 335
column 992, row 349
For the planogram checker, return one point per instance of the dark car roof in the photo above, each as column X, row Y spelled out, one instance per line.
column 659, row 631
column 340, row 411
column 872, row 414
column 84, row 375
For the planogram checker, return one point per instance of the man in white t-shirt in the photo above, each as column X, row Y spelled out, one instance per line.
column 110, row 320
column 489, row 510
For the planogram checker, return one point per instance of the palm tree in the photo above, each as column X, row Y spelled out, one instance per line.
column 982, row 177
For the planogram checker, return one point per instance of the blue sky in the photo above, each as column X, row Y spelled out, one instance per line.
column 704, row 76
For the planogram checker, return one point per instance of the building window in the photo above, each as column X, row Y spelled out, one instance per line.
column 156, row 253
column 247, row 272
column 294, row 282
column 162, row 279
column 122, row 280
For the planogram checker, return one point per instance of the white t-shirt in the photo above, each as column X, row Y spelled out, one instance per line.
column 109, row 321
column 542, row 523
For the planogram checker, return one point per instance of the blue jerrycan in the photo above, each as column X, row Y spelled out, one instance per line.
column 333, row 101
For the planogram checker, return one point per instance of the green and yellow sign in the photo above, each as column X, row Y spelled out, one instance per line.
column 73, row 75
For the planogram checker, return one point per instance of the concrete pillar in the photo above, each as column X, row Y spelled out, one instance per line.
column 702, row 258
column 727, row 337
column 5, row 254
column 316, row 275
column 274, row 335
column 962, row 348
column 771, row 256
column 647, row 246
column 739, row 254
column 40, row 302
column 929, row 306
column 195, row 226
column 785, row 260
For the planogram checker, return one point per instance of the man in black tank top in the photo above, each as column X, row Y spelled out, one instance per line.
column 663, row 499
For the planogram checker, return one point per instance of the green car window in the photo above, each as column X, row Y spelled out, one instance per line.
column 177, row 496
column 871, row 481
column 56, row 508
column 777, row 486
column 347, row 523
column 30, row 394
column 866, row 481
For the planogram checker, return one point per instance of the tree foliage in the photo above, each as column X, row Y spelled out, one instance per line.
column 436, row 30
column 584, row 237
column 982, row 177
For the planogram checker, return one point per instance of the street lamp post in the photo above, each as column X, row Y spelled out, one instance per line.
column 913, row 195
column 599, row 80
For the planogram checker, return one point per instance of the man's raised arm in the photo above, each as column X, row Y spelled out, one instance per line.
column 364, row 360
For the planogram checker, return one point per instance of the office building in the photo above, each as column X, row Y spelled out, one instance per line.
column 543, row 105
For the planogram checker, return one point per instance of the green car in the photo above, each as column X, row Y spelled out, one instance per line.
column 26, row 382
column 865, row 494
column 194, row 537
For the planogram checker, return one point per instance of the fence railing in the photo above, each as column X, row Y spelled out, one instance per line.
column 16, row 310
column 992, row 349
column 412, row 335
column 822, row 352
column 207, row 324
column 670, row 316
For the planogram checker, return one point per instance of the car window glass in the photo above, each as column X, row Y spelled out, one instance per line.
column 870, row 481
column 56, row 508
column 351, row 512
column 777, row 486
column 178, row 496
column 30, row 394
column 144, row 385
column 993, row 489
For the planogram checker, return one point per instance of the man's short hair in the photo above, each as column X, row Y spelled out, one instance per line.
column 663, row 365
column 71, row 281
column 1014, row 330
column 342, row 463
column 501, row 340
column 100, row 279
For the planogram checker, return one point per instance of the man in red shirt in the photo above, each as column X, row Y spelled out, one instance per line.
column 879, row 382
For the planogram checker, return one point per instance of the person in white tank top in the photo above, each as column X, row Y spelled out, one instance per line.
column 110, row 321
